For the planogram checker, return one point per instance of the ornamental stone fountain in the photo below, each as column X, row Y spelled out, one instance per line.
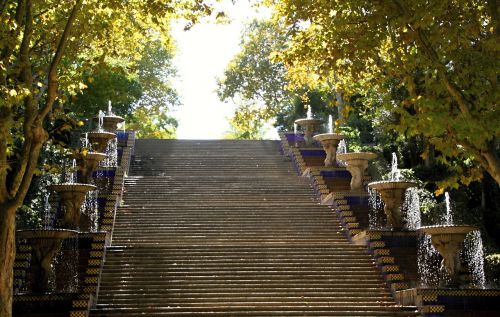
column 447, row 240
column 330, row 142
column 392, row 193
column 87, row 159
column 99, row 140
column 357, row 163
column 110, row 121
column 72, row 196
column 309, row 125
column 45, row 244
column 87, row 163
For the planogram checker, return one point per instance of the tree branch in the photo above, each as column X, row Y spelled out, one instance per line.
column 5, row 119
column 52, row 74
column 30, row 107
column 39, row 136
column 433, row 56
column 6, row 52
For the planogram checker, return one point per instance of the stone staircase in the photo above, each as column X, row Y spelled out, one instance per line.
column 226, row 228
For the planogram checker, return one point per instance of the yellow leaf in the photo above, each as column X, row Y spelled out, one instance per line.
column 439, row 191
column 13, row 92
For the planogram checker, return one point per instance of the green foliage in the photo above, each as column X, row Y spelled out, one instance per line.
column 142, row 94
column 492, row 268
column 27, row 218
column 253, row 81
column 152, row 122
column 433, row 65
column 107, row 84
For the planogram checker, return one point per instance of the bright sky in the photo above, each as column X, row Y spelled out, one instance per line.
column 203, row 53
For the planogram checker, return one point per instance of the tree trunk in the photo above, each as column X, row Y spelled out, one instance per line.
column 492, row 163
column 7, row 257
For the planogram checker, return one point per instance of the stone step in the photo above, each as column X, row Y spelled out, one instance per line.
column 252, row 310
column 226, row 228
column 365, row 293
column 246, row 300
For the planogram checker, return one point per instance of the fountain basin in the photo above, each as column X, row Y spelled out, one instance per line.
column 99, row 139
column 447, row 229
column 72, row 196
column 392, row 193
column 447, row 240
column 330, row 142
column 308, row 125
column 357, row 163
column 31, row 234
column 389, row 185
column 88, row 163
column 45, row 244
column 110, row 122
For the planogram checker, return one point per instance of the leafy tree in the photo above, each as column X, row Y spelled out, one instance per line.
column 150, row 116
column 433, row 64
column 254, row 81
column 143, row 94
column 46, row 47
column 108, row 83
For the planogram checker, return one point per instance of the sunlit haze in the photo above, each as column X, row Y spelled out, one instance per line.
column 203, row 53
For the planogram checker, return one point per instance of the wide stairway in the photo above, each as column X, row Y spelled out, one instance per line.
column 226, row 228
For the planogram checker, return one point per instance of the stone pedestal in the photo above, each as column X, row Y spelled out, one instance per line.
column 392, row 193
column 330, row 142
column 309, row 126
column 357, row 163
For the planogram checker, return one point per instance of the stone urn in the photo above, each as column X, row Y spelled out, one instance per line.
column 447, row 240
column 309, row 125
column 392, row 194
column 45, row 244
column 330, row 142
column 87, row 163
column 357, row 163
column 99, row 140
column 72, row 196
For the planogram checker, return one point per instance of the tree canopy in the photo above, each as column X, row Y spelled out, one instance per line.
column 47, row 50
column 433, row 64
column 255, row 82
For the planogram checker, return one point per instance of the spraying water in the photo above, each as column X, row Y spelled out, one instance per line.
column 85, row 142
column 341, row 148
column 428, row 260
column 111, row 154
column 411, row 205
column 90, row 209
column 66, row 264
column 395, row 173
column 448, row 217
column 295, row 129
column 309, row 112
column 375, row 205
column 71, row 177
column 474, row 254
column 110, row 110
column 101, row 120
column 48, row 215
column 330, row 124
